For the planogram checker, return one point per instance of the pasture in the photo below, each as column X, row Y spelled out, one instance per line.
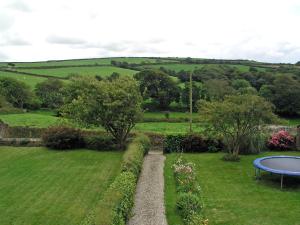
column 231, row 195
column 40, row 186
column 29, row 80
column 84, row 71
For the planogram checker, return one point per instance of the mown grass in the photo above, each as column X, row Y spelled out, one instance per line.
column 86, row 71
column 231, row 194
column 29, row 80
column 40, row 186
column 166, row 128
column 172, row 115
column 291, row 121
column 32, row 119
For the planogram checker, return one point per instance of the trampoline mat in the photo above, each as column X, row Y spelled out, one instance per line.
column 287, row 164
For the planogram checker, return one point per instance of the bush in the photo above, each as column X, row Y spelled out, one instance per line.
column 63, row 138
column 104, row 143
column 191, row 143
column 187, row 204
column 134, row 155
column 118, row 201
column 281, row 140
column 253, row 144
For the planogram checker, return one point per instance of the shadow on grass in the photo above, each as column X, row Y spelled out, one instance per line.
column 290, row 183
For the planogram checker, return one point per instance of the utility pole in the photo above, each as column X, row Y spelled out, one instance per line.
column 191, row 101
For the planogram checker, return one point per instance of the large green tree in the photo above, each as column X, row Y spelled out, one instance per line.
column 198, row 93
column 286, row 95
column 237, row 117
column 15, row 92
column 217, row 89
column 114, row 105
column 50, row 93
column 158, row 86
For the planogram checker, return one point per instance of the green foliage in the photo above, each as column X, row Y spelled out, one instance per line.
column 217, row 89
column 50, row 93
column 63, row 138
column 286, row 95
column 240, row 83
column 6, row 107
column 188, row 204
column 103, row 143
column 134, row 155
column 158, row 86
column 115, row 105
column 198, row 93
column 191, row 143
column 15, row 92
column 237, row 117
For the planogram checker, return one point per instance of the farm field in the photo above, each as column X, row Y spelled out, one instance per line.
column 40, row 186
column 29, row 80
column 86, row 71
column 231, row 195
column 95, row 61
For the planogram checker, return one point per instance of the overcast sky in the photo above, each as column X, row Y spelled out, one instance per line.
column 263, row 30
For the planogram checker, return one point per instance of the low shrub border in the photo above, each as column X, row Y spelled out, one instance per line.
column 119, row 198
column 189, row 202
column 191, row 143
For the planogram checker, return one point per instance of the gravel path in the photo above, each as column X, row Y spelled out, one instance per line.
column 149, row 208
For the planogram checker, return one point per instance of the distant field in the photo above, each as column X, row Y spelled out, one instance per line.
column 99, row 61
column 29, row 80
column 86, row 71
column 43, row 187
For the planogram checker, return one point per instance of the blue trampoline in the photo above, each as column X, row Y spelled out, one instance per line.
column 282, row 165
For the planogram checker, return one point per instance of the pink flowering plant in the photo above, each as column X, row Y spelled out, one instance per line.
column 185, row 176
column 281, row 140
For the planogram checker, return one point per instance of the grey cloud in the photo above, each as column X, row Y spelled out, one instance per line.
column 14, row 40
column 54, row 39
column 3, row 57
column 20, row 6
column 6, row 21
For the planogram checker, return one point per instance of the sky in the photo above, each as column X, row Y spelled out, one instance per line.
column 262, row 30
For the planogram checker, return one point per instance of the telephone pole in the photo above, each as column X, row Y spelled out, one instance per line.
column 191, row 101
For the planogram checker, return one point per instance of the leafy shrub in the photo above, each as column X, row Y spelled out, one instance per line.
column 191, row 143
column 134, row 155
column 281, row 140
column 187, row 204
column 173, row 143
column 61, row 137
column 185, row 176
column 100, row 143
column 118, row 201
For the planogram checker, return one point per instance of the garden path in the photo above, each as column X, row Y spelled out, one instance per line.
column 149, row 207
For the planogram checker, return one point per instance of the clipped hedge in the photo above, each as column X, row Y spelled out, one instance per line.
column 134, row 155
column 115, row 207
column 100, row 142
column 191, row 143
column 62, row 137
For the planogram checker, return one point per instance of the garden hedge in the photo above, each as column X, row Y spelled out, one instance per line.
column 191, row 143
column 116, row 205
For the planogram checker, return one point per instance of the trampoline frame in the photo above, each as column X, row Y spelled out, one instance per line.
column 258, row 166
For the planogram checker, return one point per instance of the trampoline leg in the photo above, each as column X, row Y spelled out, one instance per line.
column 281, row 183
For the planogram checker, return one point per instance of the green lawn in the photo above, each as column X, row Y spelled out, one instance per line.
column 86, row 71
column 31, row 119
column 172, row 115
column 166, row 128
column 291, row 121
column 44, row 187
column 29, row 80
column 232, row 196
